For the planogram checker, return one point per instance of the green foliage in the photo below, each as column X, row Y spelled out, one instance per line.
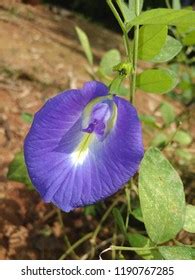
column 157, row 81
column 28, row 118
column 176, row 4
column 116, row 87
column 148, row 120
column 189, row 38
column 161, row 197
column 162, row 207
column 18, row 172
column 119, row 221
column 176, row 252
column 137, row 213
column 167, row 112
column 170, row 49
column 184, row 154
column 151, row 40
column 140, row 241
column 132, row 5
column 159, row 140
column 164, row 16
column 85, row 44
column 90, row 210
column 189, row 224
column 128, row 13
column 182, row 29
column 108, row 61
column 182, row 137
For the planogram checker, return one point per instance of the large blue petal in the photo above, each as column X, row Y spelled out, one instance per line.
column 57, row 130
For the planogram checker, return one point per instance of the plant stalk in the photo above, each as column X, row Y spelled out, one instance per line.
column 135, row 56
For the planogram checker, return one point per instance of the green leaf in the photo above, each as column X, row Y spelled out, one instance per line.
column 176, row 4
column 119, row 221
column 182, row 137
column 28, row 118
column 122, row 91
column 108, row 61
column 170, row 49
column 159, row 140
column 164, row 16
column 176, row 252
column 148, row 120
column 189, row 224
column 184, row 154
column 161, row 196
column 116, row 87
column 85, row 44
column 17, row 171
column 90, row 210
column 189, row 39
column 137, row 214
column 151, row 40
column 138, row 240
column 193, row 253
column 128, row 14
column 157, row 81
column 167, row 112
column 182, row 29
column 132, row 5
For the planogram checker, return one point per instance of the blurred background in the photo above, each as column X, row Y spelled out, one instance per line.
column 40, row 55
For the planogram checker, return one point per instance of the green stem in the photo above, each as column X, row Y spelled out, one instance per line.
column 67, row 242
column 116, row 14
column 114, row 239
column 168, row 4
column 135, row 56
column 129, row 55
column 98, row 228
column 103, row 219
column 122, row 248
column 127, row 45
column 128, row 193
column 75, row 245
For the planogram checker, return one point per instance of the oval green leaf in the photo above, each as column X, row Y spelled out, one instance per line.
column 167, row 112
column 189, row 224
column 108, row 61
column 162, row 197
column 138, row 240
column 159, row 140
column 176, row 252
column 170, row 49
column 182, row 137
column 189, row 39
column 18, row 172
column 85, row 44
column 151, row 40
column 27, row 117
column 137, row 214
column 157, row 81
column 164, row 16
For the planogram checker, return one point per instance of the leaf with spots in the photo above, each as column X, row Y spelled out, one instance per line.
column 161, row 197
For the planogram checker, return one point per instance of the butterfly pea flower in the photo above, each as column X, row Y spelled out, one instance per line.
column 83, row 146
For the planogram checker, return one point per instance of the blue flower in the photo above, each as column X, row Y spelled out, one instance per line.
column 83, row 146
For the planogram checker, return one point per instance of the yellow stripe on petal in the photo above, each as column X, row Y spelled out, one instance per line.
column 82, row 150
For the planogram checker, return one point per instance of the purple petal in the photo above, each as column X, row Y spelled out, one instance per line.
column 51, row 148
